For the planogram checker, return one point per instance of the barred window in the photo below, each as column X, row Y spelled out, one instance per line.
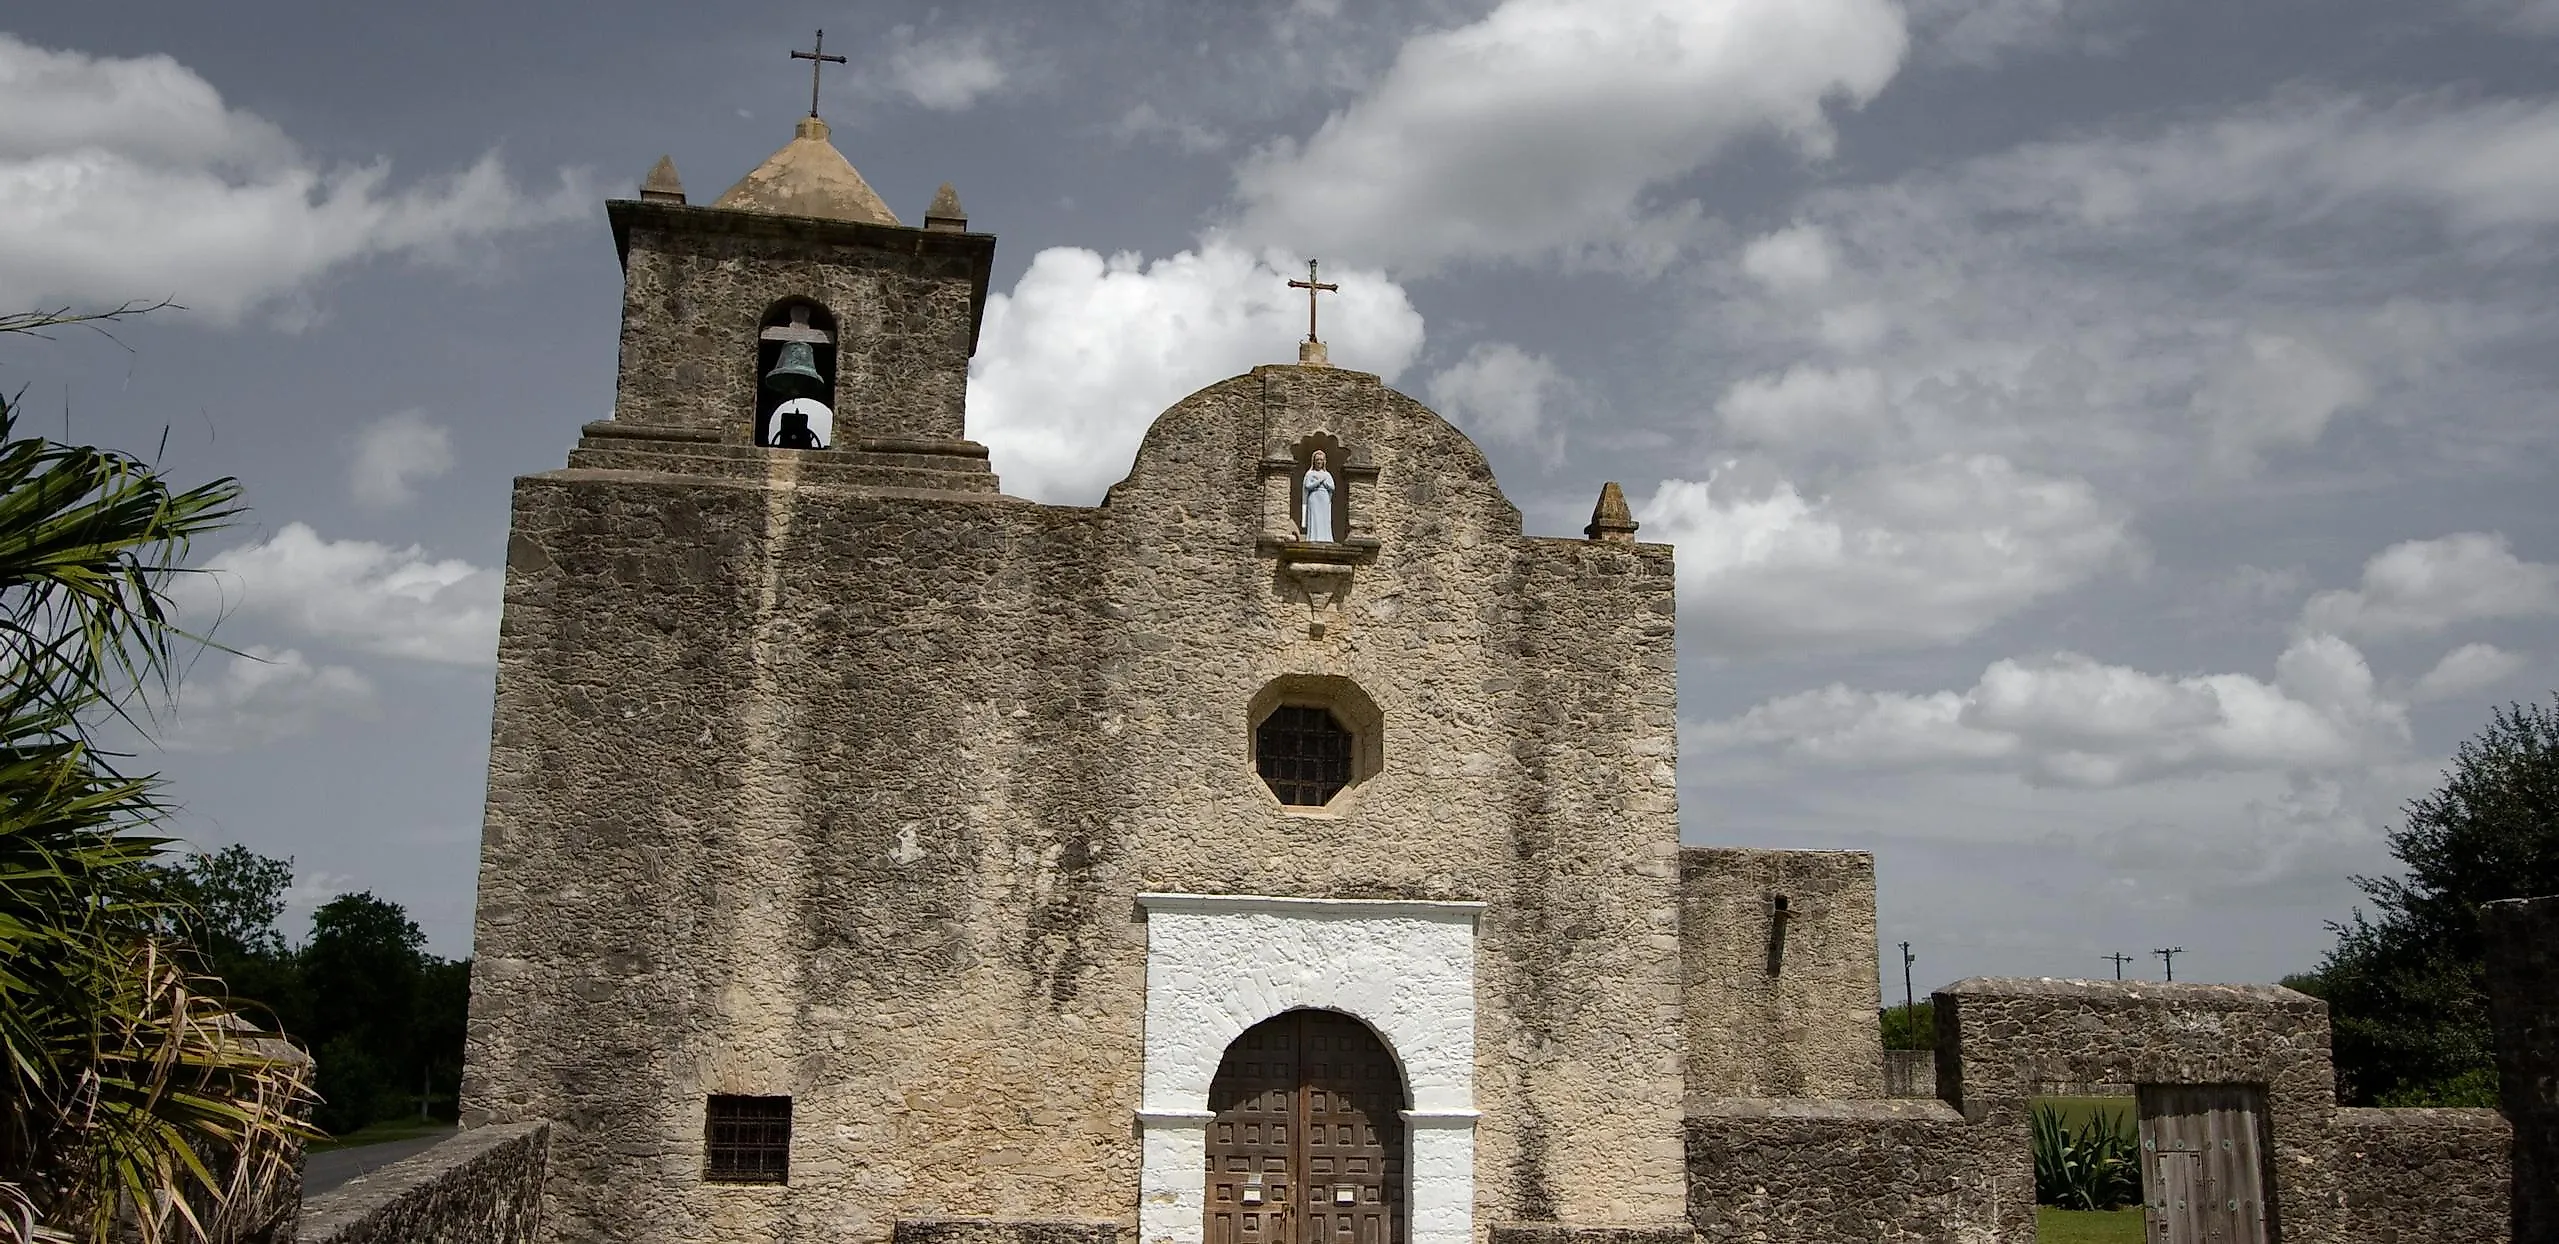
column 748, row 1140
column 1304, row 754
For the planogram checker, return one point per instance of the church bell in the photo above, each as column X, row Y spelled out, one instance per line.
column 795, row 373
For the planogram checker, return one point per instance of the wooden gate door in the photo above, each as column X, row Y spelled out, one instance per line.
column 1307, row 1146
column 2203, row 1164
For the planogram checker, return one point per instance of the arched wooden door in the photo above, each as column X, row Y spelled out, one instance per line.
column 1308, row 1145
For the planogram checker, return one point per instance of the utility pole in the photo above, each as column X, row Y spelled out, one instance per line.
column 2120, row 959
column 1909, row 1009
column 2168, row 955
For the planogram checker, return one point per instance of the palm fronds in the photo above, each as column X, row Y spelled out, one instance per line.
column 134, row 1098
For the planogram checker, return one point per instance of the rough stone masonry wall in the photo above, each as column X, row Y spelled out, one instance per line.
column 2003, row 1042
column 1779, row 1005
column 2523, row 1003
column 483, row 1186
column 2426, row 1176
column 1002, row 1231
column 848, row 796
column 1838, row 1171
column 696, row 285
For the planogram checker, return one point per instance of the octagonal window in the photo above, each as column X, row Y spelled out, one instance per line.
column 1304, row 753
column 1314, row 740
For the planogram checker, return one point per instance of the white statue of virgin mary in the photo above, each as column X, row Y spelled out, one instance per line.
column 1315, row 494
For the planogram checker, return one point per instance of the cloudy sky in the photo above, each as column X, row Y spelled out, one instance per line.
column 2109, row 444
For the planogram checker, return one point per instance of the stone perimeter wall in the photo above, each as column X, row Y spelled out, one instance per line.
column 1779, row 1005
column 2416, row 1176
column 1837, row 1171
column 483, row 1186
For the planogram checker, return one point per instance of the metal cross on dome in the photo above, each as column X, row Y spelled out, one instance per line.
column 1312, row 288
column 817, row 60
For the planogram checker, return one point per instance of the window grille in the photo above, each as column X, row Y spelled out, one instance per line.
column 1304, row 754
column 748, row 1140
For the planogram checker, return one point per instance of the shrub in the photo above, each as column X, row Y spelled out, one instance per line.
column 2097, row 1166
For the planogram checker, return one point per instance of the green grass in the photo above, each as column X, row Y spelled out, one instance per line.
column 376, row 1133
column 2066, row 1226
column 2076, row 1110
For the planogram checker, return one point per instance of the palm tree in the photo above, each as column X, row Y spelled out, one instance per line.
column 135, row 1099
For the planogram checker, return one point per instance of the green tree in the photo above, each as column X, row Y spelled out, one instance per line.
column 127, row 1086
column 2405, row 986
column 231, row 899
column 363, row 970
column 1910, row 1028
column 225, row 904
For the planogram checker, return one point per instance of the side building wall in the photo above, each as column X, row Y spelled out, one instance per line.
column 1779, row 1000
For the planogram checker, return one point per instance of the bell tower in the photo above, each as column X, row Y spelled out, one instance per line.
column 795, row 315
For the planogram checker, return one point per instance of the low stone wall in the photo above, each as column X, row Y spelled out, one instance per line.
column 1910, row 1073
column 2523, row 1002
column 2425, row 1176
column 1771, row 1169
column 1003, row 1231
column 483, row 1186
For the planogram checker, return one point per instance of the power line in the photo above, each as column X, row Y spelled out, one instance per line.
column 2120, row 959
column 2168, row 955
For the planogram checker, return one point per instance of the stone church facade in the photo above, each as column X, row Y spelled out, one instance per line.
column 837, row 796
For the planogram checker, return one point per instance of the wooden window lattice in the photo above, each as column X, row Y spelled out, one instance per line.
column 1304, row 754
column 748, row 1140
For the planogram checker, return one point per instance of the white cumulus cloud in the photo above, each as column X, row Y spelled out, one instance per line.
column 129, row 178
column 1545, row 126
column 2278, row 392
column 2068, row 719
column 1076, row 362
column 1896, row 556
column 2466, row 670
column 944, row 72
column 259, row 695
column 393, row 455
column 1795, row 259
column 1805, row 407
column 376, row 598
column 1504, row 393
column 2421, row 586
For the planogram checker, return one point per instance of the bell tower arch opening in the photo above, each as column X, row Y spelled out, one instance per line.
column 1306, row 1135
column 795, row 375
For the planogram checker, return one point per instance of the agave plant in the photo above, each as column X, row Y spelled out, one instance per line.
column 135, row 1099
column 2095, row 1166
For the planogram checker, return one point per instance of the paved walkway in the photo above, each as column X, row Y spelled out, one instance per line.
column 325, row 1170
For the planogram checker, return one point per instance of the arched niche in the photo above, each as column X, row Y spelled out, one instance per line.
column 1337, row 461
column 788, row 322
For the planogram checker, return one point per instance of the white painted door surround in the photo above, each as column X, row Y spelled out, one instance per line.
column 1218, row 964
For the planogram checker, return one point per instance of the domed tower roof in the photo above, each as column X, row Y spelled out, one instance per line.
column 809, row 177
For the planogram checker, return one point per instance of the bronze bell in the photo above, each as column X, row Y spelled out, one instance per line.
column 795, row 374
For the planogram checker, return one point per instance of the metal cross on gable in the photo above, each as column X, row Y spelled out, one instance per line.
column 817, row 60
column 1312, row 288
